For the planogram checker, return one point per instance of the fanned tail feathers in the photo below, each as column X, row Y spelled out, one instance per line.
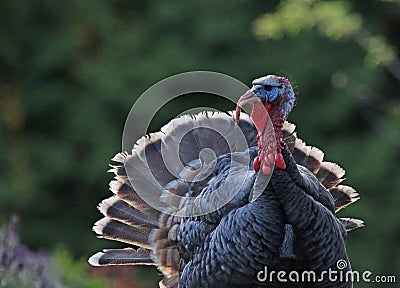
column 130, row 219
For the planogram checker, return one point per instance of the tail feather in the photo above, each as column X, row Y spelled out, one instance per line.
column 147, row 154
column 119, row 171
column 111, row 229
column 330, row 174
column 117, row 209
column 307, row 156
column 125, row 192
column 127, row 256
column 343, row 196
column 351, row 223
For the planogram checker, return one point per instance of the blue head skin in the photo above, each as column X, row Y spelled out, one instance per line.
column 275, row 90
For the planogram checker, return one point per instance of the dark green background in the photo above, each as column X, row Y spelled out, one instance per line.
column 71, row 70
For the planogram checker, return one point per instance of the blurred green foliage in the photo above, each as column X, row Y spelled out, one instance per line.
column 71, row 70
column 74, row 272
column 332, row 18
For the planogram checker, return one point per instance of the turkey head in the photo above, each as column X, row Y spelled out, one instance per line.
column 270, row 95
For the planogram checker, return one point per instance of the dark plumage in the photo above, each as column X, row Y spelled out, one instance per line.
column 291, row 226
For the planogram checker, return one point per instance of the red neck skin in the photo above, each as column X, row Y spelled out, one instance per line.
column 277, row 120
column 265, row 158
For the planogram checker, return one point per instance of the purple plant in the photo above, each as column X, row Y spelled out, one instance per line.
column 19, row 266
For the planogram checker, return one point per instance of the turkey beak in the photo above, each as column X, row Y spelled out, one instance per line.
column 248, row 97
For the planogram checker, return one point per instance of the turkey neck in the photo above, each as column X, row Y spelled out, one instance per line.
column 276, row 115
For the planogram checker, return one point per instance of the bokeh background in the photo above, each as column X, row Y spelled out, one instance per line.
column 71, row 70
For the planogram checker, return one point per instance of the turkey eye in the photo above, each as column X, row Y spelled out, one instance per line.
column 268, row 87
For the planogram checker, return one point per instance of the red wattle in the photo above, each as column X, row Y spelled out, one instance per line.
column 257, row 163
column 270, row 158
column 266, row 169
column 279, row 162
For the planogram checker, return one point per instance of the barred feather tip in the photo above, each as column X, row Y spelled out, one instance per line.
column 99, row 226
column 114, row 230
column 104, row 206
column 307, row 156
column 95, row 259
column 119, row 171
column 330, row 174
column 289, row 128
column 351, row 223
column 115, row 185
column 117, row 209
column 127, row 256
column 343, row 196
column 120, row 157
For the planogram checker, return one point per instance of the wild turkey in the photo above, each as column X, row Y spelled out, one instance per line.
column 287, row 224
